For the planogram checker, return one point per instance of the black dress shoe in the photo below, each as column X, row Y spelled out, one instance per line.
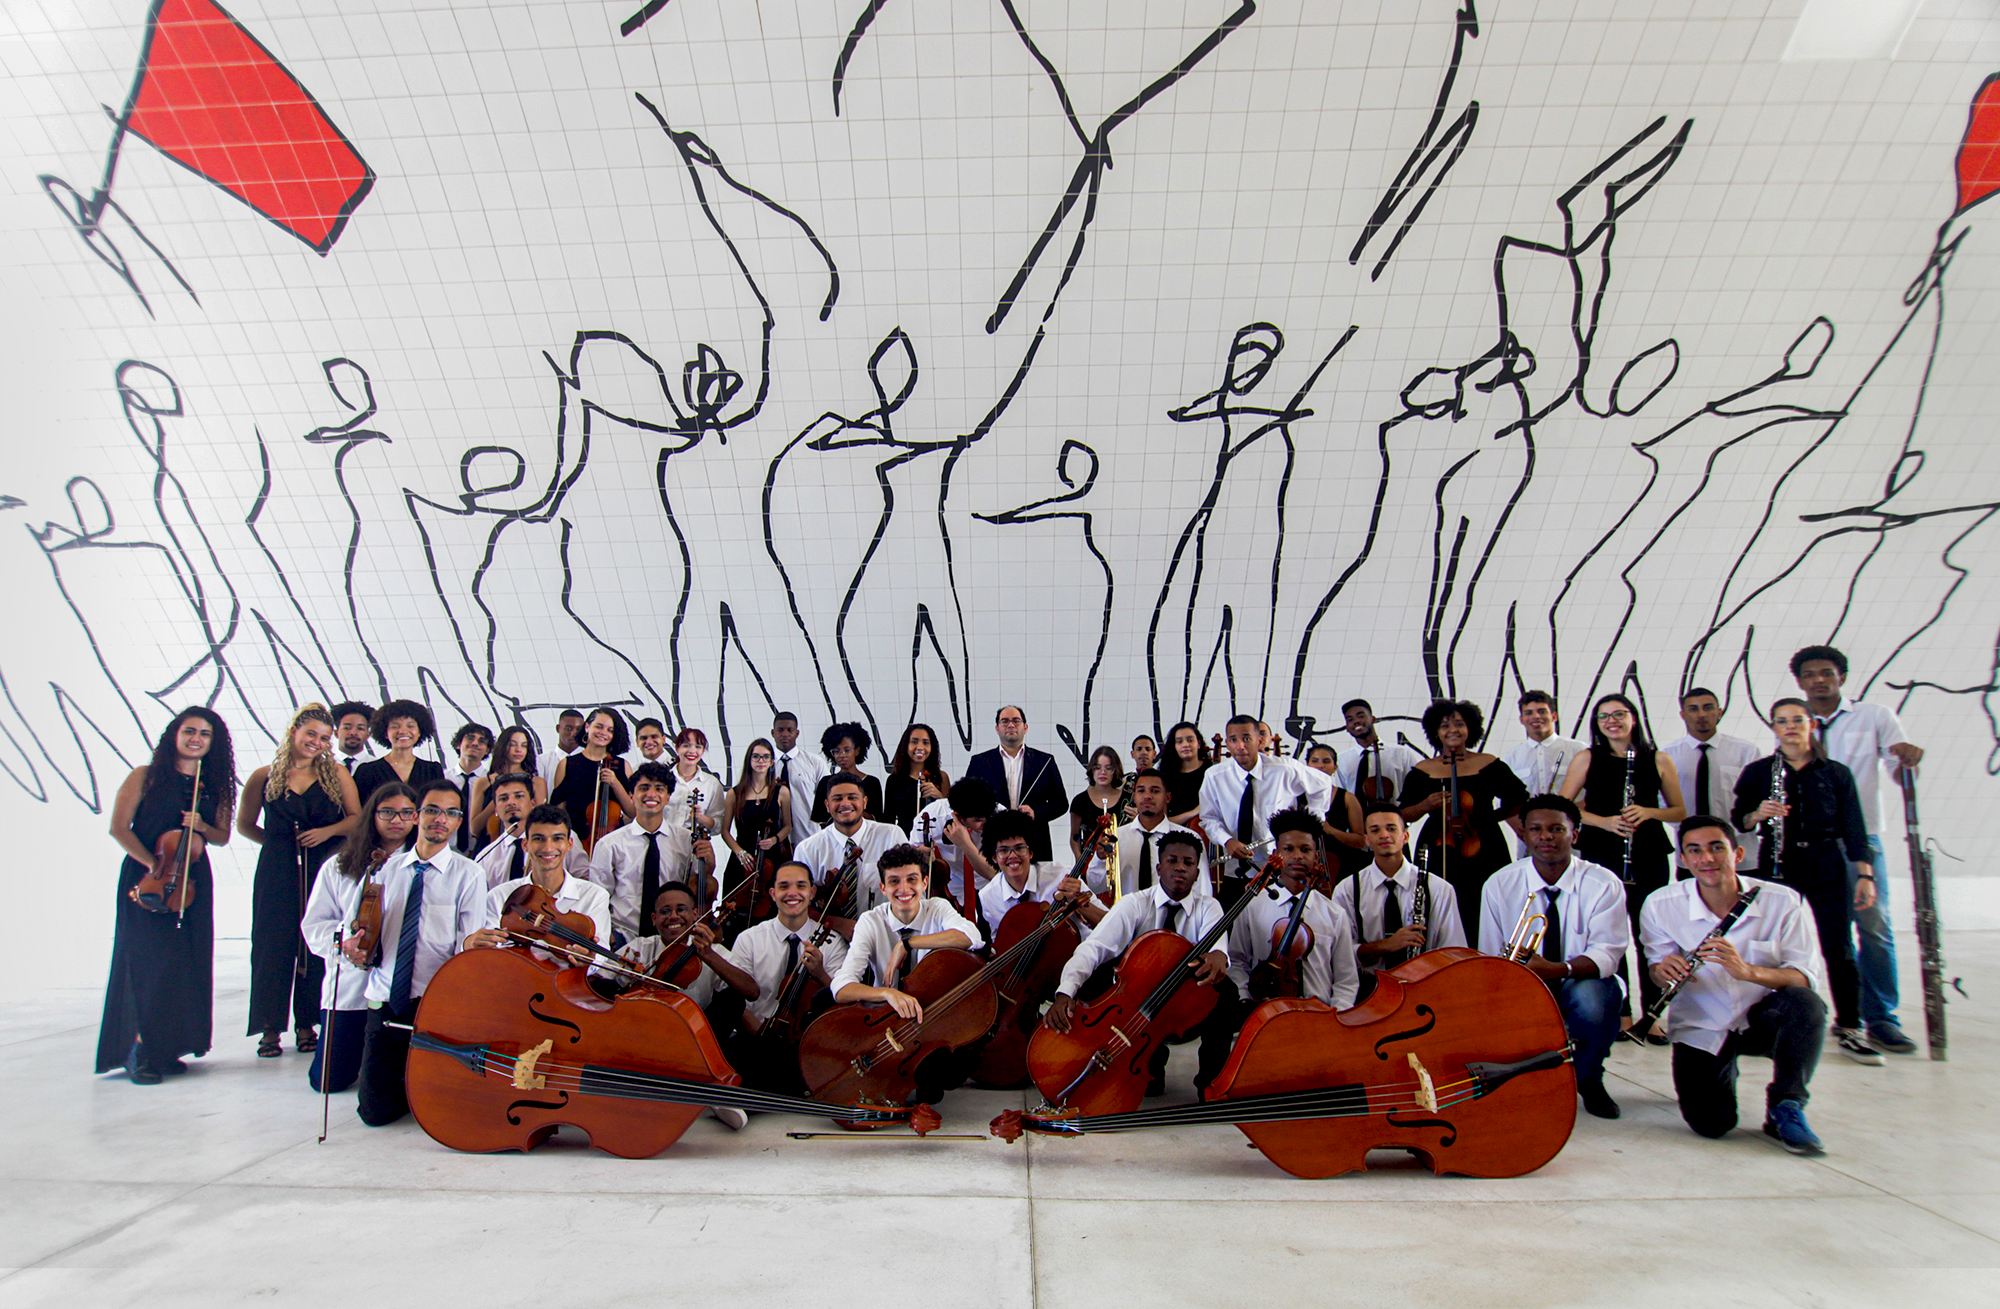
column 1157, row 1087
column 1597, row 1102
column 143, row 1076
column 172, row 1068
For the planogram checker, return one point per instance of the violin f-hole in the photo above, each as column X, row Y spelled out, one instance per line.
column 576, row 1033
column 1423, row 1011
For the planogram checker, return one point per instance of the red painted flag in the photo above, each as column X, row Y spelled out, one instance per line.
column 1979, row 152
column 214, row 100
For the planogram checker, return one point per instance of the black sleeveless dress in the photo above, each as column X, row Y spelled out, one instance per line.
column 161, row 990
column 1604, row 794
column 579, row 788
column 1495, row 792
column 281, row 995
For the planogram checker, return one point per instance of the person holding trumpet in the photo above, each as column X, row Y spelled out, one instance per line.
column 1563, row 919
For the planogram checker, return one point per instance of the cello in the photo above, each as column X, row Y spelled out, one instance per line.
column 1459, row 1058
column 168, row 887
column 1026, row 986
column 802, row 997
column 1102, row 1064
column 507, row 1047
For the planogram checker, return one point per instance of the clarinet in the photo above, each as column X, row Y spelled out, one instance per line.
column 1420, row 916
column 1774, row 826
column 1631, row 756
column 1667, row 994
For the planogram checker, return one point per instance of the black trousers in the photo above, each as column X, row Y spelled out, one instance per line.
column 341, row 1041
column 385, row 1051
column 1819, row 873
column 1218, row 1031
column 1789, row 1025
column 1645, row 881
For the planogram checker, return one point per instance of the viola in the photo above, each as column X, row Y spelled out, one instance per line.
column 366, row 929
column 507, row 1047
column 530, row 917
column 1022, row 991
column 679, row 964
column 168, row 887
column 1458, row 1057
column 1282, row 973
column 1103, row 1062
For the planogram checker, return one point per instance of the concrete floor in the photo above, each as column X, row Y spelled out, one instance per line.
column 210, row 1190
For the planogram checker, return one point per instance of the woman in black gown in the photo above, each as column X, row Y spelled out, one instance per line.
column 1184, row 764
column 756, row 817
column 599, row 767
column 845, row 746
column 158, row 1002
column 399, row 727
column 298, row 808
column 915, row 779
column 1489, row 795
column 1596, row 781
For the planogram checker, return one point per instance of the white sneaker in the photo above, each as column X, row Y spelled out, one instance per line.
column 736, row 1120
column 1855, row 1046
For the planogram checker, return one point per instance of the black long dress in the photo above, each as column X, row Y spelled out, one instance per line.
column 378, row 771
column 281, row 995
column 579, row 788
column 1495, row 793
column 1604, row 794
column 1347, row 860
column 902, row 801
column 161, row 990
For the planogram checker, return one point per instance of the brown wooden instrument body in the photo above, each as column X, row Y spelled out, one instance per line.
column 530, row 911
column 1282, row 974
column 1055, row 1059
column 599, row 817
column 169, row 887
column 1003, row 1061
column 1459, row 834
column 837, row 1053
column 510, row 1002
column 1448, row 1007
column 366, row 929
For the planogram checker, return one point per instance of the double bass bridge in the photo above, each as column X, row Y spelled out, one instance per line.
column 525, row 1076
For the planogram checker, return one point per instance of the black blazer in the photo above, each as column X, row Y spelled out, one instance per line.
column 1041, row 789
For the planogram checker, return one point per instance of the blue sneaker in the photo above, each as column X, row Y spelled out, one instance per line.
column 1786, row 1124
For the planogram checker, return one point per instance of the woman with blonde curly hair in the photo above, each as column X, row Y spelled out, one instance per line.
column 297, row 808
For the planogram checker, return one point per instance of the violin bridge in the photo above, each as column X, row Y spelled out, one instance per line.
column 525, row 1076
column 1427, row 1096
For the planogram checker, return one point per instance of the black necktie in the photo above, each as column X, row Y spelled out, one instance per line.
column 517, row 862
column 649, row 885
column 1392, row 912
column 903, row 969
column 1170, row 913
column 785, row 771
column 1246, row 810
column 1552, row 930
column 791, row 954
column 1701, row 783
column 1145, row 861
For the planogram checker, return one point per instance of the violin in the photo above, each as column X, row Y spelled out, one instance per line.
column 1458, row 1057
column 679, row 964
column 168, row 888
column 366, row 929
column 1102, row 1064
column 1459, row 835
column 1282, row 973
column 507, row 1047
column 601, row 815
column 530, row 917
column 1376, row 787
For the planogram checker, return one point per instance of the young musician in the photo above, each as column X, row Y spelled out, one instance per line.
column 636, row 860
column 1757, row 991
column 1596, row 782
column 1145, row 752
column 1106, row 790
column 915, row 780
column 1708, row 761
column 569, row 739
column 399, row 727
column 845, row 747
column 1824, row 831
column 1166, row 906
column 1238, row 798
column 1373, row 770
column 505, row 857
column 798, row 770
column 160, row 996
column 1020, row 880
column 1022, row 777
column 678, row 926
column 546, row 838
column 890, row 940
column 1390, row 927
column 1185, row 765
column 440, row 894
column 696, row 806
column 1342, row 827
column 351, row 721
column 1586, row 935
column 849, row 835
column 1867, row 738
column 596, row 771
column 649, row 739
column 513, row 752
column 756, row 813
column 307, row 803
column 952, row 829
column 769, row 952
column 1328, row 971
column 387, row 825
column 473, row 744
column 1488, row 795
column 1541, row 761
column 1139, row 841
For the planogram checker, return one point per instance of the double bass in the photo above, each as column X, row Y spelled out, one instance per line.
column 1459, row 1058
column 507, row 1047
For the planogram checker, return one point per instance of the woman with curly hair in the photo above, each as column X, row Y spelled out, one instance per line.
column 161, row 991
column 513, row 752
column 845, row 746
column 306, row 802
column 1488, row 794
column 399, row 726
column 598, row 764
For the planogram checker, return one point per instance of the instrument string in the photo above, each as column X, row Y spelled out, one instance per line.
column 1354, row 1101
column 910, row 1033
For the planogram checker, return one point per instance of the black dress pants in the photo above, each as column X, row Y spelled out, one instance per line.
column 1789, row 1025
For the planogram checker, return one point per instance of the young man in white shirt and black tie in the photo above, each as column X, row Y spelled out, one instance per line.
column 770, row 952
column 1139, row 840
column 1586, row 935
column 1760, row 989
column 1239, row 796
column 851, row 837
column 1020, row 880
column 1391, row 926
column 799, row 769
column 504, row 858
column 1327, row 972
column 1542, row 760
column 1373, row 770
column 634, row 861
column 1709, row 761
column 546, row 840
column 432, row 899
column 473, row 743
column 351, row 721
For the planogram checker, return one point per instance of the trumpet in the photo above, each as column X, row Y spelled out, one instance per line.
column 1526, row 942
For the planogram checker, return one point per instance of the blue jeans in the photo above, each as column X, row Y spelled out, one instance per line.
column 1590, row 1011
column 1875, row 954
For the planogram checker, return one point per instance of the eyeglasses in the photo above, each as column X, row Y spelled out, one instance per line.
column 432, row 811
column 1615, row 716
column 395, row 813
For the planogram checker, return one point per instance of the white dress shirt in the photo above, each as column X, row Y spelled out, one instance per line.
column 331, row 907
column 496, row 861
column 1775, row 932
column 352, row 761
column 1859, row 734
column 1362, row 898
column 996, row 898
column 574, row 896
column 706, row 785
column 1132, row 917
column 877, row 933
column 760, row 951
column 1131, row 839
column 1011, row 765
column 454, row 907
column 826, row 850
column 1393, row 760
column 646, row 951
column 1328, row 973
column 800, row 769
column 1726, row 757
column 1541, row 766
column 1278, row 787
column 1590, row 911
column 618, row 864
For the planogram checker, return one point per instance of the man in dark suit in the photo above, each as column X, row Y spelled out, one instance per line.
column 1023, row 778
